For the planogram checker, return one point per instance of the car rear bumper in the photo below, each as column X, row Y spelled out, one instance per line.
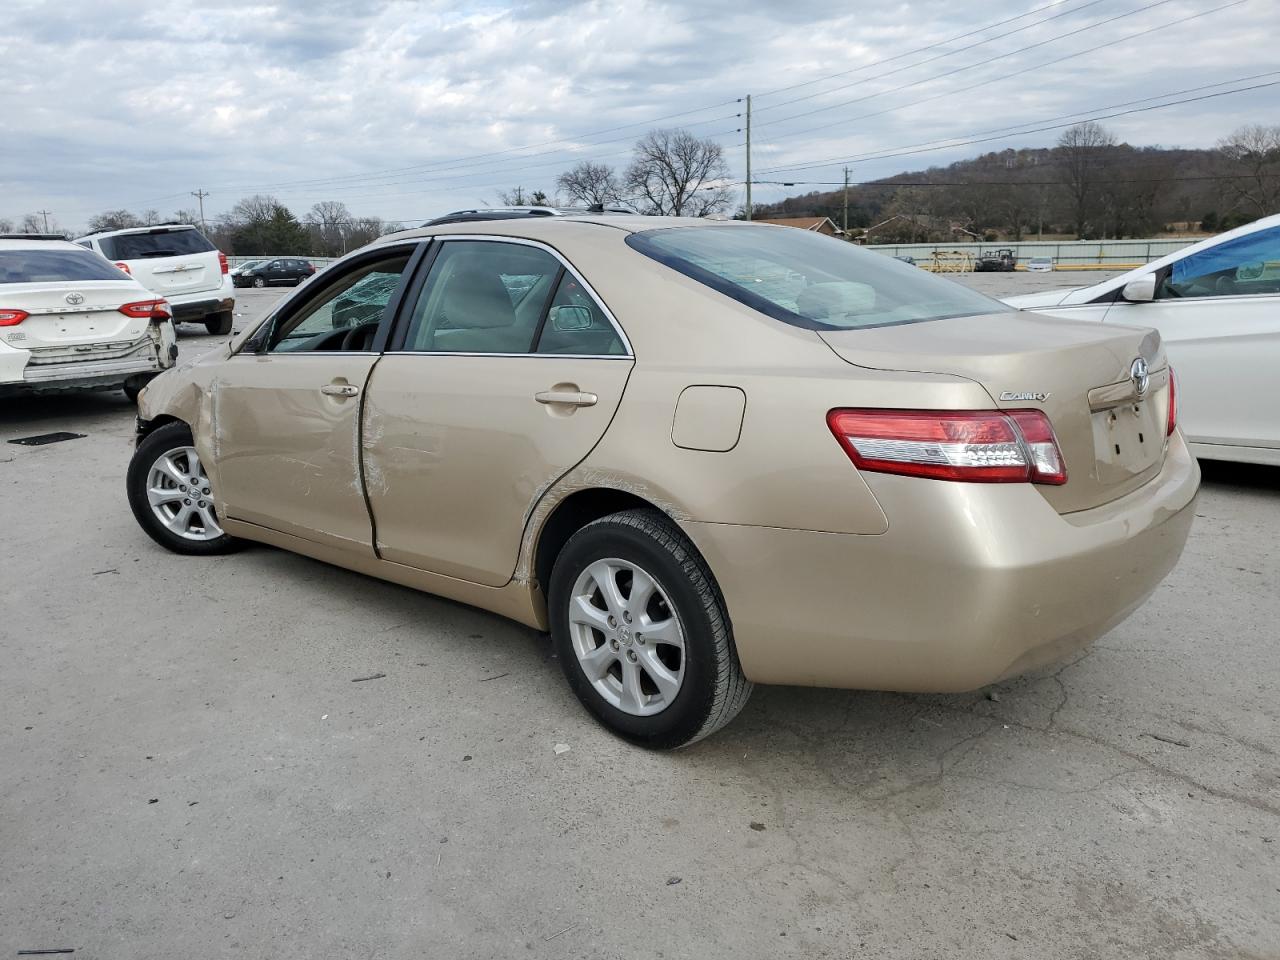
column 971, row 582
column 90, row 373
column 193, row 307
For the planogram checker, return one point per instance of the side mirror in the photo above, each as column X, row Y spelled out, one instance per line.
column 569, row 319
column 1141, row 289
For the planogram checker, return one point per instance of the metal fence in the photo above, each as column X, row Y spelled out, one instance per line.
column 1064, row 253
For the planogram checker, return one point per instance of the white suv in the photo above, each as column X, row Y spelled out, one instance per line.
column 68, row 318
column 177, row 262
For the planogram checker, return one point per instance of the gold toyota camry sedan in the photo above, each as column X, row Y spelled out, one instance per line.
column 702, row 455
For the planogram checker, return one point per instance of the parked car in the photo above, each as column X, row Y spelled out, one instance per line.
column 281, row 272
column 69, row 318
column 1217, row 307
column 240, row 268
column 1040, row 264
column 995, row 261
column 855, row 474
column 175, row 261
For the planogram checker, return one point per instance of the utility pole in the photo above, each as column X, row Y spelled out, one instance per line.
column 45, row 214
column 846, row 203
column 200, row 195
column 748, row 156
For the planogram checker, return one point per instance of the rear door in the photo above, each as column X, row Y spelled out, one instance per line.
column 1218, row 312
column 502, row 377
column 287, row 410
column 168, row 260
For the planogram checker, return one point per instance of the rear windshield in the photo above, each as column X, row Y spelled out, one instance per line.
column 809, row 280
column 158, row 243
column 42, row 266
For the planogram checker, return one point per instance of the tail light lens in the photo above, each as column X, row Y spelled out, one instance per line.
column 222, row 262
column 11, row 318
column 1172, row 421
column 978, row 446
column 124, row 268
column 147, row 310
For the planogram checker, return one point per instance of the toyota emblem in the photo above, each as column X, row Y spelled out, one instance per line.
column 1138, row 374
column 75, row 299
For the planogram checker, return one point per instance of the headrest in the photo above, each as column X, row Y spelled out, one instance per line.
column 476, row 298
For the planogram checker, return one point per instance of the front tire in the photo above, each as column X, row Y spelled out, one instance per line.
column 642, row 633
column 259, row 282
column 219, row 324
column 174, row 511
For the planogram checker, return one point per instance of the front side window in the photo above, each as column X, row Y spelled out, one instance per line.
column 575, row 324
column 344, row 316
column 482, row 297
column 809, row 280
column 50, row 266
column 1245, row 265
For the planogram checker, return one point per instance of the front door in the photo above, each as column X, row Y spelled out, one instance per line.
column 503, row 377
column 1218, row 312
column 287, row 415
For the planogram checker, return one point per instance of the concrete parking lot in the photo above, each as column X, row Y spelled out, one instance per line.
column 190, row 770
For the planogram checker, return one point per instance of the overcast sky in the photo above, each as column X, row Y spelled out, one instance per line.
column 406, row 109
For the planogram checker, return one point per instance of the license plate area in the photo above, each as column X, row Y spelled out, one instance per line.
column 1127, row 440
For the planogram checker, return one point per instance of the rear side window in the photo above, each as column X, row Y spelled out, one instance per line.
column 157, row 243
column 575, row 324
column 809, row 280
column 45, row 266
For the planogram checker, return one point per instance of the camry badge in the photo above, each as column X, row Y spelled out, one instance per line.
column 75, row 299
column 1141, row 379
column 1026, row 395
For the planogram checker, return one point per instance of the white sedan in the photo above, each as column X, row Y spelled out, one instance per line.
column 70, row 318
column 1217, row 307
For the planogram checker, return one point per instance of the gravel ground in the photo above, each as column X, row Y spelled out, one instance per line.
column 190, row 770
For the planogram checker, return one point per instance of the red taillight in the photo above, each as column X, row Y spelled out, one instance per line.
column 124, row 267
column 222, row 262
column 979, row 446
column 147, row 310
column 11, row 318
column 311, row 268
column 1171, row 422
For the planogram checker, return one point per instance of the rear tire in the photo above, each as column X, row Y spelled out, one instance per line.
column 219, row 324
column 654, row 691
column 157, row 475
column 133, row 386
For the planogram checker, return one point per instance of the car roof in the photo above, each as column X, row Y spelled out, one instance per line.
column 38, row 242
column 549, row 228
column 152, row 228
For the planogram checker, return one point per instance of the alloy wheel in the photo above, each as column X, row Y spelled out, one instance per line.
column 179, row 492
column 627, row 637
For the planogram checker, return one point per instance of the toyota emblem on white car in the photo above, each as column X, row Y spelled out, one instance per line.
column 75, row 299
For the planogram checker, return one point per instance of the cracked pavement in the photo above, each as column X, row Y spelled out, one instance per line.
column 190, row 770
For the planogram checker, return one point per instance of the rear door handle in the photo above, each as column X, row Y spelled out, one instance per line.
column 572, row 398
column 340, row 390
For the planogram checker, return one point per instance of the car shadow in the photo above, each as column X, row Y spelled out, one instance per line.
column 1249, row 476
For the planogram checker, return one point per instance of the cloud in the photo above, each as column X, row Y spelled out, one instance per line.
column 406, row 109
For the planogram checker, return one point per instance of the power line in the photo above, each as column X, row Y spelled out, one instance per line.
column 989, row 60
column 1016, row 73
column 952, row 53
column 881, row 155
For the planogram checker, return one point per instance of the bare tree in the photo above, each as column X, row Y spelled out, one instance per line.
column 329, row 221
column 590, row 184
column 113, row 220
column 185, row 216
column 6, row 226
column 1253, row 152
column 1082, row 150
column 676, row 174
column 520, row 197
column 256, row 209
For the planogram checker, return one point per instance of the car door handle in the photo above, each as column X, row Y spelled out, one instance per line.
column 572, row 398
column 340, row 390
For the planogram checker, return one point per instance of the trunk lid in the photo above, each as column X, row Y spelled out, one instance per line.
column 91, row 325
column 1079, row 374
column 167, row 260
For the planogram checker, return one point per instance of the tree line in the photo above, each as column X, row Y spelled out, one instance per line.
column 1088, row 186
